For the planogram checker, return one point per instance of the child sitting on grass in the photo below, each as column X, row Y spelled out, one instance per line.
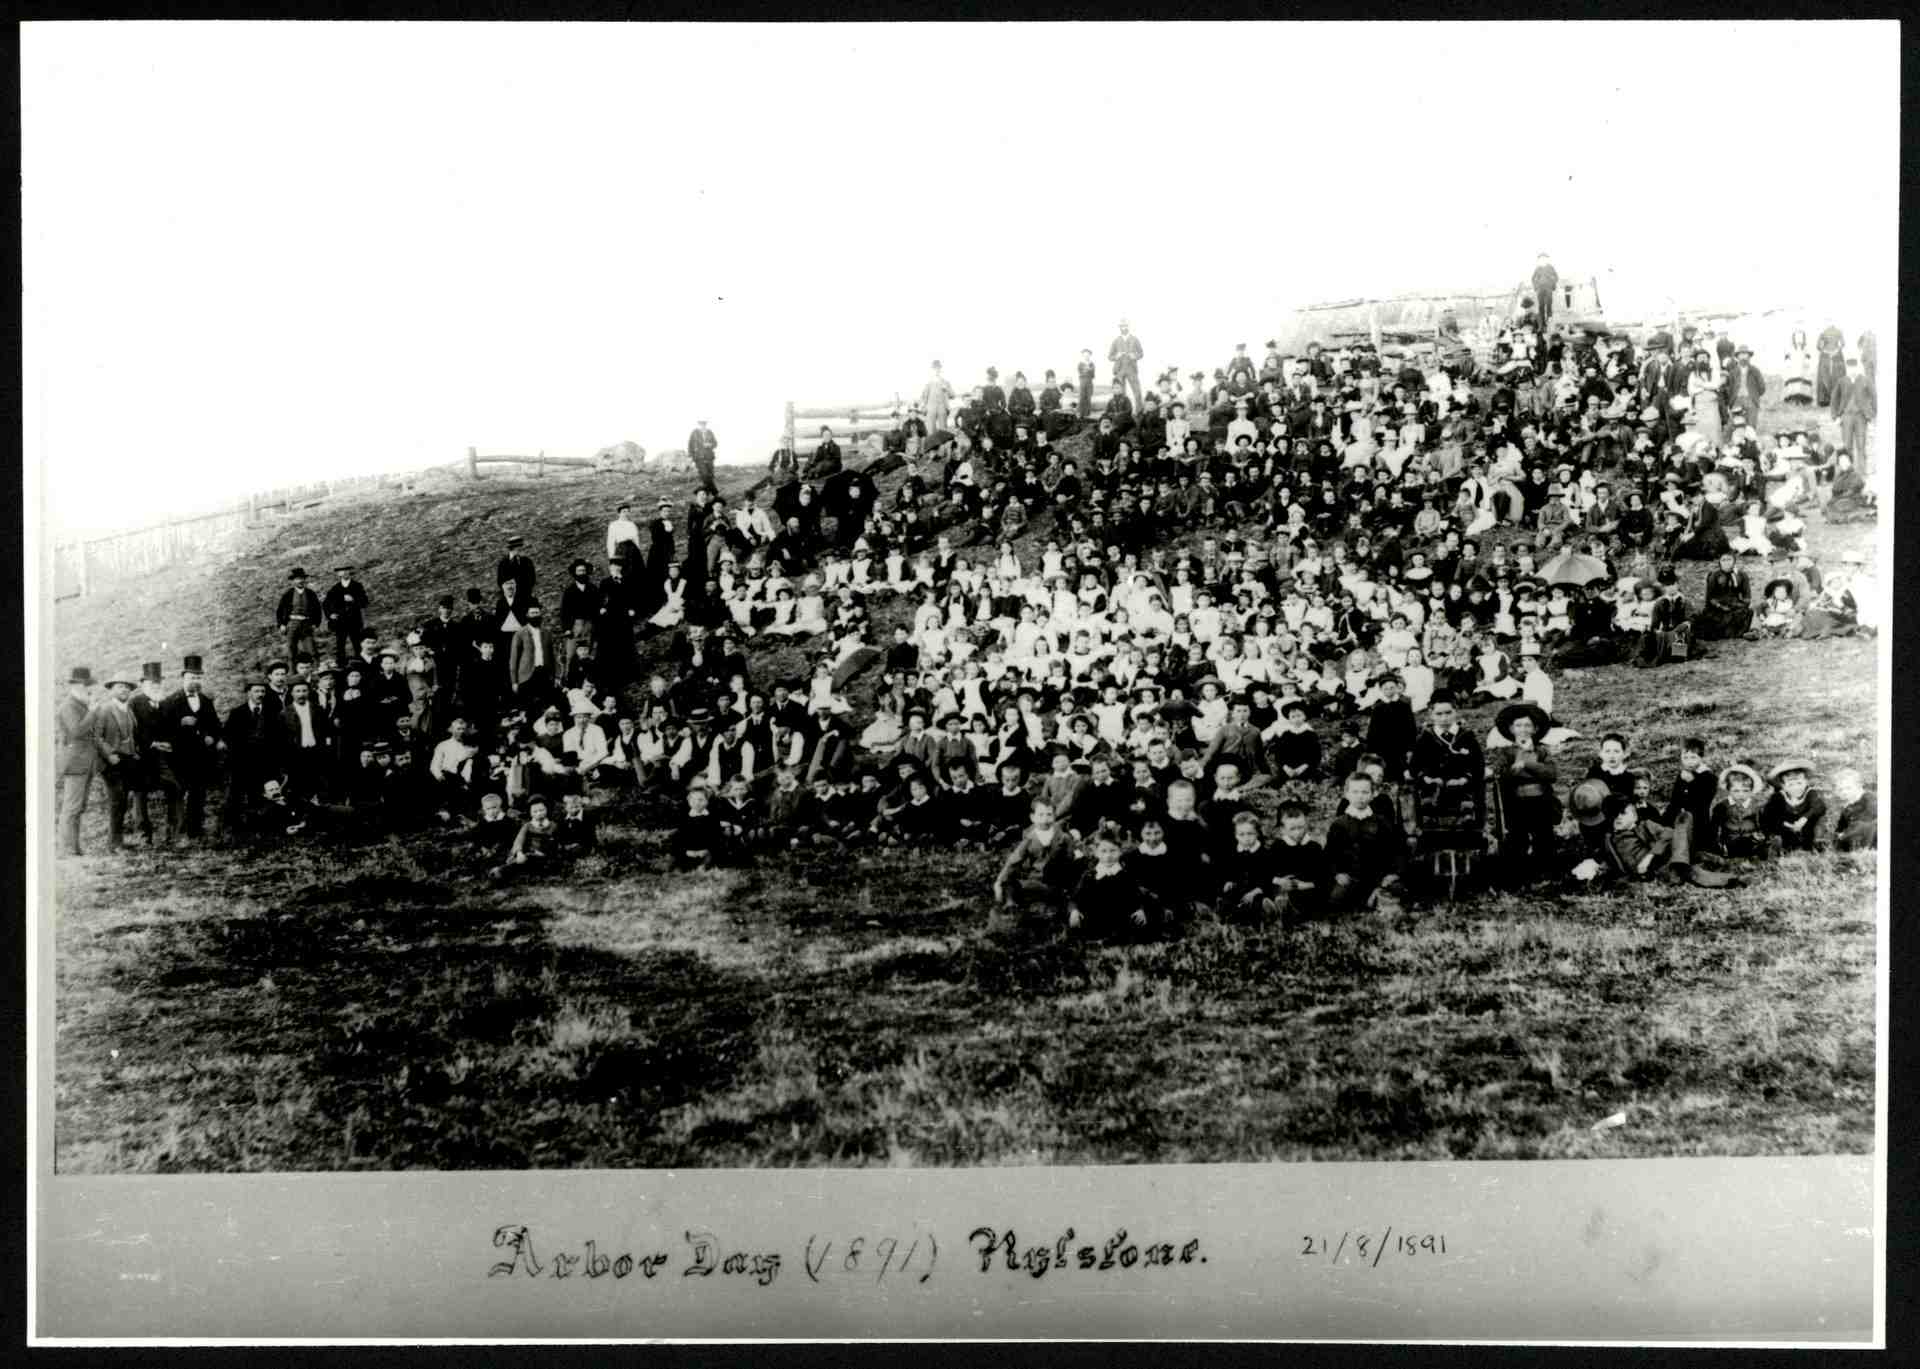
column 536, row 849
column 1365, row 854
column 1299, row 876
column 1793, row 813
column 1245, row 869
column 1733, row 824
column 1042, row 868
column 698, row 843
column 1857, row 827
column 1108, row 901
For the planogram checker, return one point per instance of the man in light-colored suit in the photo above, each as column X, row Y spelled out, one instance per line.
column 530, row 662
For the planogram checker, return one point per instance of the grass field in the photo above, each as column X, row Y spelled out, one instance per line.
column 375, row 1007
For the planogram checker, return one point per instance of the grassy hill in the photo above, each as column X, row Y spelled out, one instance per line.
column 376, row 1006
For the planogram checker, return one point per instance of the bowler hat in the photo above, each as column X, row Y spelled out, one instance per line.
column 297, row 573
column 125, row 677
column 444, row 601
column 343, row 570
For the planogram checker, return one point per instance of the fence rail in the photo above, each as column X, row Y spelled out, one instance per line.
column 539, row 461
column 84, row 565
column 861, row 419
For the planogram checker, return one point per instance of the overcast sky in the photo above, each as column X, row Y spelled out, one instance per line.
column 264, row 254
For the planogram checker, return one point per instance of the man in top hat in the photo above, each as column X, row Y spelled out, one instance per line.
column 255, row 738
column 701, row 446
column 345, row 606
column 517, row 566
column 298, row 615
column 659, row 556
column 145, row 704
column 1125, row 352
column 78, row 759
column 187, row 745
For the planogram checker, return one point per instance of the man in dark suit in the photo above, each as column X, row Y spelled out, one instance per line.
column 79, row 758
column 254, row 736
column 1743, row 387
column 451, row 646
column 307, row 745
column 298, row 615
column 580, row 604
column 701, row 446
column 345, row 606
column 531, row 663
column 145, row 704
column 187, row 746
column 516, row 565
column 1545, row 282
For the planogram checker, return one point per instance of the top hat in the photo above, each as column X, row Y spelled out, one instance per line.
column 190, row 665
column 150, row 671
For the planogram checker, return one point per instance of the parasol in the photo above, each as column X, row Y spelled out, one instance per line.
column 1571, row 567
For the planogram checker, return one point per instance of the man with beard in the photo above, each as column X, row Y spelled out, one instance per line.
column 580, row 604
column 188, row 743
column 146, row 719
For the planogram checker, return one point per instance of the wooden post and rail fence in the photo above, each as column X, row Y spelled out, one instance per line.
column 854, row 423
column 83, row 566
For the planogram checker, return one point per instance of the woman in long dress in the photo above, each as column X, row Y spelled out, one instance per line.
column 1703, row 399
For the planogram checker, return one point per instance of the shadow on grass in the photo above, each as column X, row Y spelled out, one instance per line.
column 407, row 1033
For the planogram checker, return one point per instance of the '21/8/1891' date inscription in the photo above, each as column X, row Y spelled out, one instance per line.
column 1367, row 1248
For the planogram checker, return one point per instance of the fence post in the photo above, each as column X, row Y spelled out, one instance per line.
column 790, row 432
column 540, row 464
column 473, row 463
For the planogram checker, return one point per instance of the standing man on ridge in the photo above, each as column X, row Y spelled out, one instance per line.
column 701, row 445
column 1545, row 281
column 1125, row 354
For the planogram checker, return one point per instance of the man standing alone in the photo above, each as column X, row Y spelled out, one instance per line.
column 701, row 445
column 79, row 759
column 1125, row 354
column 1545, row 281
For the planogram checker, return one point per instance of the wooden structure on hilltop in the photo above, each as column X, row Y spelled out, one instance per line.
column 1415, row 316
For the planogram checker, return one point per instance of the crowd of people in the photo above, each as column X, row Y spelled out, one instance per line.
column 1273, row 588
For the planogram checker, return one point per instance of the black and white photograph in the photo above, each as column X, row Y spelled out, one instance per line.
column 720, row 597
